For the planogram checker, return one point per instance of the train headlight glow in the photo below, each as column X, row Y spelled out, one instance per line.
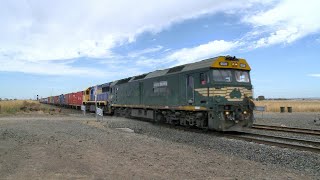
column 244, row 112
column 227, row 112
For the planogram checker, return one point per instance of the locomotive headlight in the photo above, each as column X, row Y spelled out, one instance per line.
column 227, row 112
column 245, row 112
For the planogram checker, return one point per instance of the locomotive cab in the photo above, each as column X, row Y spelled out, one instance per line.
column 231, row 105
column 86, row 95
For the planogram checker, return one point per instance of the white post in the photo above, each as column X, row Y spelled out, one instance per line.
column 95, row 99
column 99, row 113
column 83, row 108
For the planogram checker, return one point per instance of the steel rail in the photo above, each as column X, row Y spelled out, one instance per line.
column 301, row 144
column 287, row 129
column 283, row 142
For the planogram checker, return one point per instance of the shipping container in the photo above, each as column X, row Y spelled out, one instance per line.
column 70, row 98
column 79, row 96
column 66, row 99
column 56, row 100
column 61, row 99
column 76, row 98
column 50, row 100
column 43, row 100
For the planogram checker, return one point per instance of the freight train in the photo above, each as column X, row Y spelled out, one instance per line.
column 214, row 94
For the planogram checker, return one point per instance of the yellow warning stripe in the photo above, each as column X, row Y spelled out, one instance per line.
column 225, row 92
column 237, row 99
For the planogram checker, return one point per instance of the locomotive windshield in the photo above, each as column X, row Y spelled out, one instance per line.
column 222, row 75
column 242, row 76
column 226, row 75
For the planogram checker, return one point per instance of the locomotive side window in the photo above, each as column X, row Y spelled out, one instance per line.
column 105, row 89
column 204, row 78
column 242, row 76
column 222, row 75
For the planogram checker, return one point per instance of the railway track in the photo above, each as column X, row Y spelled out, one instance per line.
column 287, row 129
column 285, row 142
column 279, row 141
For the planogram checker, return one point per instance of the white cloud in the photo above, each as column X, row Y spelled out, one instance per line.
column 314, row 75
column 188, row 55
column 33, row 31
column 286, row 22
column 210, row 49
column 145, row 51
column 48, row 68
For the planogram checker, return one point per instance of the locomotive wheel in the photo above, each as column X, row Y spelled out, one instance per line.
column 117, row 112
column 159, row 117
column 128, row 113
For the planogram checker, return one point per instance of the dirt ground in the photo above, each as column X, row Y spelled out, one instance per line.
column 71, row 146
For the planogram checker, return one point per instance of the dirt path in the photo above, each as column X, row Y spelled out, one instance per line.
column 49, row 147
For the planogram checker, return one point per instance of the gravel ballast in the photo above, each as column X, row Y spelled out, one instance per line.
column 310, row 120
column 293, row 159
column 73, row 146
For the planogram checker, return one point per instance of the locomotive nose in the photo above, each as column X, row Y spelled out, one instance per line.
column 239, row 114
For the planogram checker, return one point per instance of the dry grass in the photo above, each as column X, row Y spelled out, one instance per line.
column 297, row 106
column 13, row 107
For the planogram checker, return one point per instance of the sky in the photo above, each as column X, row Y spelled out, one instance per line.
column 55, row 47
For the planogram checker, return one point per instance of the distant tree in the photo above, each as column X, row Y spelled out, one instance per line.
column 261, row 98
column 0, row 99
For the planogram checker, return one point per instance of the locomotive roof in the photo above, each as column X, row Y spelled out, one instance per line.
column 207, row 63
column 186, row 67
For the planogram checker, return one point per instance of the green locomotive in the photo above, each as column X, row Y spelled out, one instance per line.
column 215, row 93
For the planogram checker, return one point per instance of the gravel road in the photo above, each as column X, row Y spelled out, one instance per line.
column 76, row 147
